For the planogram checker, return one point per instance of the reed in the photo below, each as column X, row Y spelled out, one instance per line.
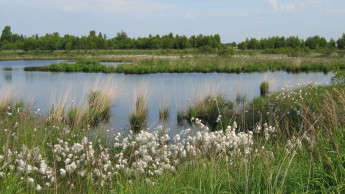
column 139, row 113
column 139, row 116
column 164, row 105
column 8, row 96
column 264, row 88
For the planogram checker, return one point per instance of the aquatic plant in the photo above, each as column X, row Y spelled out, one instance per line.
column 99, row 107
column 139, row 115
column 164, row 105
column 163, row 114
column 264, row 87
column 212, row 110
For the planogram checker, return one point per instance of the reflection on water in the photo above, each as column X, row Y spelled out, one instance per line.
column 176, row 90
column 8, row 76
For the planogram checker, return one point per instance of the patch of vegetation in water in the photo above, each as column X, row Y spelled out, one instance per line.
column 201, row 64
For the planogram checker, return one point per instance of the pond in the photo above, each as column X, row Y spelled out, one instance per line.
column 176, row 91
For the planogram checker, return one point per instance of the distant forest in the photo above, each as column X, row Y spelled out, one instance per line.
column 51, row 42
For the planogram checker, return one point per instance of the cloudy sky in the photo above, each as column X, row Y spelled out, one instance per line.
column 234, row 20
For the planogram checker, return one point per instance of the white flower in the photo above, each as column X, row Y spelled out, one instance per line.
column 62, row 172
column 38, row 187
column 31, row 181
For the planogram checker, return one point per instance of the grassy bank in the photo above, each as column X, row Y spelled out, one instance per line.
column 204, row 64
column 41, row 154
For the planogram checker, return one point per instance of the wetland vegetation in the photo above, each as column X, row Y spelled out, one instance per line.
column 289, row 141
column 280, row 142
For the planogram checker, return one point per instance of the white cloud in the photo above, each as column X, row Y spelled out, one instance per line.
column 277, row 6
column 274, row 4
column 190, row 16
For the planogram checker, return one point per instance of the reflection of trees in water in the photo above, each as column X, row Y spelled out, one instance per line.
column 8, row 76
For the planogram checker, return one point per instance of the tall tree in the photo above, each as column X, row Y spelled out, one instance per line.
column 341, row 42
column 6, row 35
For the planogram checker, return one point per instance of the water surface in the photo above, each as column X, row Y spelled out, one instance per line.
column 177, row 91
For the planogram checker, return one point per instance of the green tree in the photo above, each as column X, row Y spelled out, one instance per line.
column 293, row 42
column 341, row 42
column 332, row 43
column 92, row 33
column 6, row 36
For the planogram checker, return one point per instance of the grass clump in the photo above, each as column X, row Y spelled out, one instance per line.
column 138, row 117
column 215, row 111
column 264, row 87
column 7, row 68
column 163, row 114
column 99, row 107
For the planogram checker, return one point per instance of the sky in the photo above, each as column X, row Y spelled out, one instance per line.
column 233, row 20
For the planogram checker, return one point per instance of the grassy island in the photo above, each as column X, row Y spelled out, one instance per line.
column 199, row 63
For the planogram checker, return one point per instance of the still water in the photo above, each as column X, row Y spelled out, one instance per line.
column 176, row 91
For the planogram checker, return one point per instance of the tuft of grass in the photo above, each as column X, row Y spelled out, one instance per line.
column 264, row 88
column 213, row 110
column 7, row 68
column 8, row 96
column 164, row 105
column 163, row 114
column 138, row 118
column 99, row 107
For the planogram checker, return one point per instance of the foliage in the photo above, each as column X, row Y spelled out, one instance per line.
column 53, row 41
column 339, row 78
column 341, row 42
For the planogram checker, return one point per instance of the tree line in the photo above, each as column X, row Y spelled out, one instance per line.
column 314, row 42
column 53, row 41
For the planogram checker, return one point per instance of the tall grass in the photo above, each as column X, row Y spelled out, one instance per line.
column 139, row 112
column 264, row 88
column 164, row 105
column 8, row 96
column 90, row 110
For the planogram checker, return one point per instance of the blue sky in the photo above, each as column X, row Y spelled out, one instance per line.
column 233, row 20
